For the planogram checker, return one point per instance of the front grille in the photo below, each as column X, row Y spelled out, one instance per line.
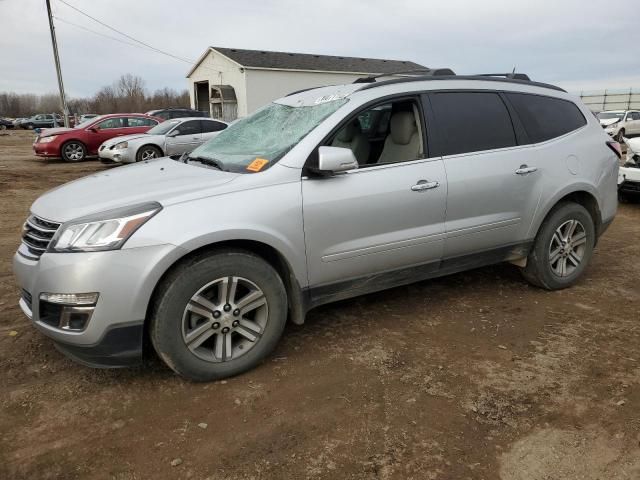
column 37, row 235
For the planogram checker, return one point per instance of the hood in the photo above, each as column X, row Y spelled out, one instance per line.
column 608, row 121
column 163, row 180
column 125, row 138
column 47, row 132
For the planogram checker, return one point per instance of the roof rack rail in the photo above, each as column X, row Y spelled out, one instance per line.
column 424, row 72
column 512, row 75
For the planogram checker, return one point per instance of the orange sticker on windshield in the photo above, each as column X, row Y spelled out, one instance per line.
column 257, row 165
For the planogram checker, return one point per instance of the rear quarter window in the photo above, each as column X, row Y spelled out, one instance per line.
column 545, row 118
column 472, row 122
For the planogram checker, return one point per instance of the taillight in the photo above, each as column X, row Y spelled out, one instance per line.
column 615, row 146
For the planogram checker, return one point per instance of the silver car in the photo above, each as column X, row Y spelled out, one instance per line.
column 322, row 195
column 172, row 137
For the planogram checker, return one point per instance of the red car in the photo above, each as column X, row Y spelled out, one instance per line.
column 75, row 144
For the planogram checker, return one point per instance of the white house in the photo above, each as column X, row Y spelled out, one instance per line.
column 230, row 82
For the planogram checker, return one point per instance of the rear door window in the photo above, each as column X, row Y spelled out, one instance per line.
column 472, row 122
column 212, row 126
column 545, row 118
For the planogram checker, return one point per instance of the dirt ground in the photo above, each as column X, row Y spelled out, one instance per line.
column 473, row 376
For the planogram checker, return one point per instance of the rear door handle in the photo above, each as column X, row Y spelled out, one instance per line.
column 525, row 170
column 424, row 185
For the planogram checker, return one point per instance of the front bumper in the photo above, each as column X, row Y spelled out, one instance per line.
column 47, row 150
column 111, row 155
column 629, row 180
column 124, row 279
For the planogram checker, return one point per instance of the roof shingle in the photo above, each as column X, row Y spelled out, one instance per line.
column 306, row 61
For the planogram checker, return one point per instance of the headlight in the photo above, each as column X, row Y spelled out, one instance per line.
column 104, row 231
column 121, row 145
column 48, row 139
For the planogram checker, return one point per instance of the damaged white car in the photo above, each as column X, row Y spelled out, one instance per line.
column 629, row 173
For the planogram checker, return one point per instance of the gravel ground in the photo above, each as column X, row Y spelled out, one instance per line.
column 472, row 376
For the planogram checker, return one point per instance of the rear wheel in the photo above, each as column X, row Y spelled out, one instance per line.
column 73, row 151
column 218, row 315
column 562, row 248
column 148, row 152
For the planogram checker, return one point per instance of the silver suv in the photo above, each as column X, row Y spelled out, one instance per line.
column 322, row 195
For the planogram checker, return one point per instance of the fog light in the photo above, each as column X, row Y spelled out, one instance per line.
column 67, row 311
column 70, row 298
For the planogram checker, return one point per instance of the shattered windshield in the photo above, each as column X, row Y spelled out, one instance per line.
column 256, row 142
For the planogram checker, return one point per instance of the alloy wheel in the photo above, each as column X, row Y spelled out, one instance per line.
column 148, row 154
column 224, row 319
column 73, row 151
column 567, row 248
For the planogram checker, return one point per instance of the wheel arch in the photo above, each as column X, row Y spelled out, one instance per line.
column 295, row 297
column 582, row 196
column 150, row 145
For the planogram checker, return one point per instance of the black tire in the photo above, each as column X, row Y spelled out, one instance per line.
column 3, row 127
column 29, row 126
column 151, row 149
column 78, row 148
column 176, row 292
column 539, row 271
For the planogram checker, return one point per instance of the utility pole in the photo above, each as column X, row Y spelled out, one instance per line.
column 54, row 44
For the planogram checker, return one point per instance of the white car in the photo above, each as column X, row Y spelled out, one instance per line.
column 629, row 173
column 172, row 137
column 620, row 123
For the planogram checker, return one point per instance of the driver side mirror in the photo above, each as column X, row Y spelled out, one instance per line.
column 336, row 159
column 94, row 129
column 173, row 133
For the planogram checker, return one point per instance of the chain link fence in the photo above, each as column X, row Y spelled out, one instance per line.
column 601, row 100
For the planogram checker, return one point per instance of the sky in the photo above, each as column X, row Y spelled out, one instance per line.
column 576, row 44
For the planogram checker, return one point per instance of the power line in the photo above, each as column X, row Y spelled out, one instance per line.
column 190, row 62
column 98, row 33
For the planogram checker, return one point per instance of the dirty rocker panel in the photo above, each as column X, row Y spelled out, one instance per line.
column 332, row 292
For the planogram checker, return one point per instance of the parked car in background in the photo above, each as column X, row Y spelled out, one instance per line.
column 629, row 173
column 17, row 123
column 42, row 120
column 4, row 124
column 172, row 137
column 209, row 255
column 76, row 144
column 87, row 116
column 620, row 123
column 168, row 113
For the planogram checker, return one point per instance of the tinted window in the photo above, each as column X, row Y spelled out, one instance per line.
column 140, row 122
column 111, row 123
column 212, row 126
column 472, row 122
column 545, row 118
column 191, row 127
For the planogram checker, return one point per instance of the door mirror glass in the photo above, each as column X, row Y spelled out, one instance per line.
column 94, row 129
column 173, row 133
column 336, row 159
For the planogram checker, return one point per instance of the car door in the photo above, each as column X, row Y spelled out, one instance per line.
column 633, row 123
column 103, row 131
column 184, row 138
column 494, row 184
column 379, row 225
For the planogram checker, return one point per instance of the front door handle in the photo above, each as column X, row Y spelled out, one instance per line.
column 525, row 170
column 423, row 185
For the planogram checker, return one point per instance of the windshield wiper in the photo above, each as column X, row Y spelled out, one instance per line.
column 211, row 162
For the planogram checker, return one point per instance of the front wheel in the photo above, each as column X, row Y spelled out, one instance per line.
column 562, row 248
column 148, row 152
column 218, row 315
column 73, row 151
